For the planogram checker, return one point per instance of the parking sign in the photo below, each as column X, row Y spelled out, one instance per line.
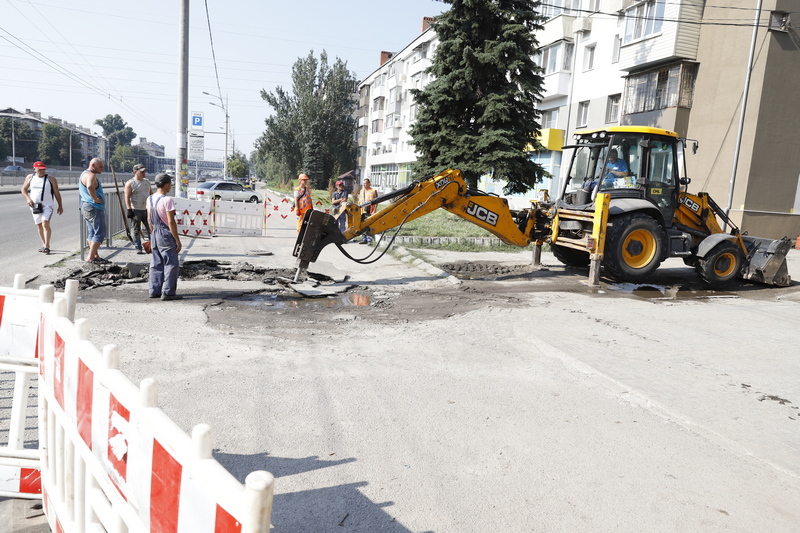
column 197, row 120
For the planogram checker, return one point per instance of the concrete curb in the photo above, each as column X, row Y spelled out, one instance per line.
column 405, row 256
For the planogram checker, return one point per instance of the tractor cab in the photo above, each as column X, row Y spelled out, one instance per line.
column 626, row 162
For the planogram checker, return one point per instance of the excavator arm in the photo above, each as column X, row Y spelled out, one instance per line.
column 447, row 190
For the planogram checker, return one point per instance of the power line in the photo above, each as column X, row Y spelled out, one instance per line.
column 213, row 53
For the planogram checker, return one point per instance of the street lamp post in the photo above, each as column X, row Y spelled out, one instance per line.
column 223, row 105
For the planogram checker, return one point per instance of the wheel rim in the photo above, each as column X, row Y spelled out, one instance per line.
column 725, row 265
column 639, row 248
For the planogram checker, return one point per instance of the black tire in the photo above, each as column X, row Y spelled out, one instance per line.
column 253, row 200
column 570, row 256
column 721, row 265
column 634, row 247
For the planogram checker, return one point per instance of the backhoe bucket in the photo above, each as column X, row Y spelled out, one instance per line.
column 767, row 261
column 317, row 231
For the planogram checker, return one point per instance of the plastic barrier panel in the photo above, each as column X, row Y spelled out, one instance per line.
column 239, row 218
column 113, row 461
column 19, row 322
column 194, row 218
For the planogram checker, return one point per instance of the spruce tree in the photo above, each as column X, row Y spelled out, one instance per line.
column 479, row 112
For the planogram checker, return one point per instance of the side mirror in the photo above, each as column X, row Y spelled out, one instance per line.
column 685, row 181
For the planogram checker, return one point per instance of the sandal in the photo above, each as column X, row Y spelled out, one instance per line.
column 46, row 251
column 41, row 250
column 100, row 261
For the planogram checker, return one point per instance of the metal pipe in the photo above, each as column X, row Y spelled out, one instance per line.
column 743, row 110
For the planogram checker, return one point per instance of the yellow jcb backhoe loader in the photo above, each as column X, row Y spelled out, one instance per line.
column 621, row 205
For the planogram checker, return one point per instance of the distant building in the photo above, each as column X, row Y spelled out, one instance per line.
column 91, row 144
column 152, row 149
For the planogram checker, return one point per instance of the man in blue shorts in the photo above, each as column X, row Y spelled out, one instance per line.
column 93, row 209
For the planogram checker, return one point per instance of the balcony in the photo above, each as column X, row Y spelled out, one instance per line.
column 556, row 84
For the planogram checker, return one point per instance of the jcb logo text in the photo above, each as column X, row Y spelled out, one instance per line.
column 691, row 204
column 481, row 213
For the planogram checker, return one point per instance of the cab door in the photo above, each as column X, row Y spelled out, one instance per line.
column 662, row 175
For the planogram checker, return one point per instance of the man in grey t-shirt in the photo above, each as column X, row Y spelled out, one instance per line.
column 137, row 189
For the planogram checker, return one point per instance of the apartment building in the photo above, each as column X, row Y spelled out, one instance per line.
column 386, row 112
column 678, row 65
column 91, row 144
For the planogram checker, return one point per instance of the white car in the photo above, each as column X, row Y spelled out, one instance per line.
column 223, row 190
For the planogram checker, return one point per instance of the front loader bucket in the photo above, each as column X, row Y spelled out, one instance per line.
column 767, row 261
column 317, row 231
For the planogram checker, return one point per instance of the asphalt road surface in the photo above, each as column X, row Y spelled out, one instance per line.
column 520, row 400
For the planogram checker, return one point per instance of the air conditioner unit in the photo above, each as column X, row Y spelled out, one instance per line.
column 582, row 24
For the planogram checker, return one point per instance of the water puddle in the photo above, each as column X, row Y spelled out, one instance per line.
column 669, row 292
column 277, row 301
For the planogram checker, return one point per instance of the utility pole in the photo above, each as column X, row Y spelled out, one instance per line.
column 742, row 113
column 13, row 143
column 182, row 181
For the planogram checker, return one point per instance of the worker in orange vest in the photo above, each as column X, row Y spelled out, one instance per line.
column 302, row 199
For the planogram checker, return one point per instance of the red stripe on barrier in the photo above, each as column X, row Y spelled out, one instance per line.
column 84, row 403
column 58, row 371
column 2, row 305
column 39, row 354
column 59, row 529
column 30, row 481
column 115, row 443
column 225, row 523
column 165, row 491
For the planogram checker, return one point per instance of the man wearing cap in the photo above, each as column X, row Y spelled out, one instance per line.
column 165, row 242
column 302, row 199
column 39, row 191
column 137, row 190
column 93, row 209
column 366, row 195
column 339, row 200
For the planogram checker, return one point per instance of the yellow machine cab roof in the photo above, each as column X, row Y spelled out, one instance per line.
column 628, row 129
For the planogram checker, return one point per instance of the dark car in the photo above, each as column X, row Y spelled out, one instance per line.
column 14, row 168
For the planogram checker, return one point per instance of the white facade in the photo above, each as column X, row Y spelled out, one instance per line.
column 387, row 111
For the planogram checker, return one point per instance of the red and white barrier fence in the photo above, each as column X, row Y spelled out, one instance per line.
column 110, row 459
column 19, row 313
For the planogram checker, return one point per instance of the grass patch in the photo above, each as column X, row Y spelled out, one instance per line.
column 441, row 223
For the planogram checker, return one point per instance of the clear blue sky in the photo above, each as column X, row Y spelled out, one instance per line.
column 125, row 55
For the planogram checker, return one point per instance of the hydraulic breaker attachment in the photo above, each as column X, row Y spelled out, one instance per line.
column 766, row 261
column 316, row 232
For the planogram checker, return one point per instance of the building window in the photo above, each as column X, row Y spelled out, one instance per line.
column 670, row 86
column 554, row 8
column 612, row 108
column 392, row 95
column 616, row 49
column 379, row 104
column 643, row 20
column 588, row 58
column 377, row 126
column 556, row 57
column 583, row 114
column 421, row 52
column 412, row 113
column 392, row 69
column 594, row 6
column 550, row 118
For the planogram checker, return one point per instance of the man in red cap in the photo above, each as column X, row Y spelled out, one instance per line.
column 39, row 191
column 302, row 199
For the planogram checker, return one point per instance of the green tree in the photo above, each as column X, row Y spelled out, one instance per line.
column 316, row 117
column 479, row 112
column 116, row 131
column 25, row 140
column 54, row 146
column 238, row 166
column 125, row 157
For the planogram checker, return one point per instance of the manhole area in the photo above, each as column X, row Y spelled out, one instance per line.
column 483, row 269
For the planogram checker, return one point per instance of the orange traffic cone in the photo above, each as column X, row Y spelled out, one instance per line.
column 797, row 243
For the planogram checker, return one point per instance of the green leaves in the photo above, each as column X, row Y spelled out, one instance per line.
column 479, row 113
column 312, row 128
